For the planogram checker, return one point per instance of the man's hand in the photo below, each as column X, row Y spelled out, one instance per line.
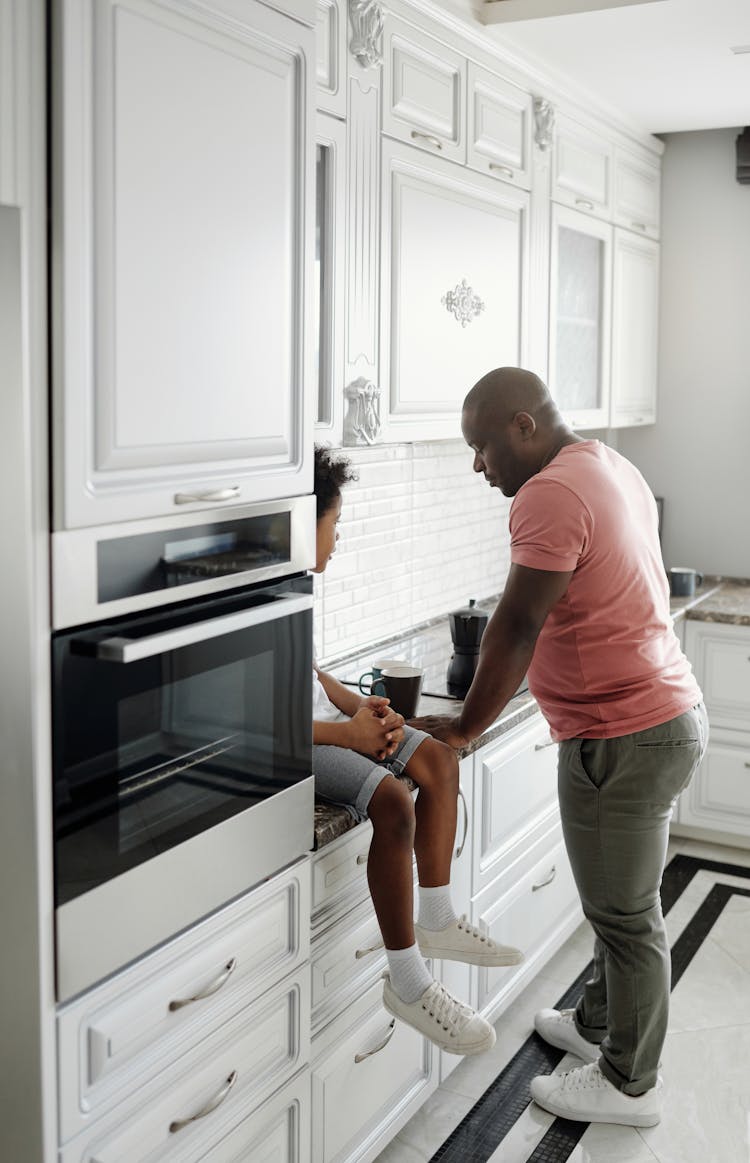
column 375, row 730
column 442, row 727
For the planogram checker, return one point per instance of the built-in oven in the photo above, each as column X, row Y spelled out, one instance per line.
column 181, row 733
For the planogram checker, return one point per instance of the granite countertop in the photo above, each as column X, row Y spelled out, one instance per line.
column 717, row 599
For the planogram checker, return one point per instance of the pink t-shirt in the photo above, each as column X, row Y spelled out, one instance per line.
column 607, row 661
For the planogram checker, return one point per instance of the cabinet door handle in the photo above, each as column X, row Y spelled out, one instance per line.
column 362, row 858
column 584, row 202
column 215, row 985
column 747, row 764
column 210, row 1106
column 547, row 743
column 229, row 494
column 506, row 170
column 380, row 1046
column 428, row 137
column 639, row 225
column 364, row 952
column 460, row 848
column 548, row 880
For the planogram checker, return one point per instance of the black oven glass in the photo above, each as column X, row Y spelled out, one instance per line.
column 151, row 751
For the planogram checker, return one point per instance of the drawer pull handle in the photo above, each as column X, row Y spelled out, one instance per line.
column 548, row 880
column 542, row 746
column 428, row 138
column 215, row 985
column 210, row 1106
column 501, row 169
column 585, row 203
column 747, row 764
column 639, row 225
column 363, row 952
column 362, row 858
column 460, row 848
column 380, row 1046
column 212, row 495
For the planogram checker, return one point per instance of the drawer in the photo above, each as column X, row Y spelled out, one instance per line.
column 371, row 1072
column 582, row 173
column 339, row 874
column 179, row 1116
column 122, row 1034
column 720, row 655
column 531, row 915
column 499, row 130
column 719, row 794
column 515, row 797
column 345, row 960
column 424, row 83
column 279, row 1132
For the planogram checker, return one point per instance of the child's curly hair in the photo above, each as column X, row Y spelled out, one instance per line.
column 332, row 472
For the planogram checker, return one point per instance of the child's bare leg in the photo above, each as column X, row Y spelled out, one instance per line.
column 389, row 867
column 434, row 769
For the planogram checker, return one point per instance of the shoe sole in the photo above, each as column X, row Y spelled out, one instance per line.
column 467, row 958
column 562, row 1112
column 561, row 1044
column 465, row 1052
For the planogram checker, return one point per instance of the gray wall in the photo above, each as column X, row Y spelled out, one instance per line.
column 698, row 454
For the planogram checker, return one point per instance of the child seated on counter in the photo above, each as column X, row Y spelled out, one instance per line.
column 360, row 747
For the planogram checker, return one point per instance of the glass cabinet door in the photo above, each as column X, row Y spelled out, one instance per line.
column 328, row 283
column 580, row 314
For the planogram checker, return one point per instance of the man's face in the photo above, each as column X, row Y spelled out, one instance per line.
column 495, row 451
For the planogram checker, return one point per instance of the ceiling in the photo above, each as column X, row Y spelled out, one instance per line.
column 665, row 65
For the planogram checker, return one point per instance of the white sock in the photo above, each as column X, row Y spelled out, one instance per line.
column 410, row 976
column 435, row 908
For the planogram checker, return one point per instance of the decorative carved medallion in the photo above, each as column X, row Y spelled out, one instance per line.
column 544, row 117
column 362, row 420
column 367, row 27
column 463, row 303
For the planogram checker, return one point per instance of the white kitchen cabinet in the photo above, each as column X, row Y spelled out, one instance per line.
column 330, row 276
column 635, row 329
column 424, row 90
column 278, row 1132
column 455, row 975
column 453, row 287
column 330, row 41
column 582, row 168
column 580, row 317
column 637, row 193
column 500, row 118
column 718, row 798
column 183, row 257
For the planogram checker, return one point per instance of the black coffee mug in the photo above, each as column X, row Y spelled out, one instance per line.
column 403, row 686
column 683, row 581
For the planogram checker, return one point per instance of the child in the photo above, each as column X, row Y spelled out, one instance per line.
column 359, row 746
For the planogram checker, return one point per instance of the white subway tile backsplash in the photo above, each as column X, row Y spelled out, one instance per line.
column 421, row 533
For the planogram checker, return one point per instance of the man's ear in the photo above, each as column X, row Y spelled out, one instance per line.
column 526, row 424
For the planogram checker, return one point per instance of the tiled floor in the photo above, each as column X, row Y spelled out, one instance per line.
column 706, row 1060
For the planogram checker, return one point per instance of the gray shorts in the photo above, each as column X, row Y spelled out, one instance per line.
column 349, row 779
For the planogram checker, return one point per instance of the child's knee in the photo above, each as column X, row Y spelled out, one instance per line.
column 437, row 764
column 391, row 810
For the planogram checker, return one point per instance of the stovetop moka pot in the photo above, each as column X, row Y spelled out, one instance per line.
column 467, row 627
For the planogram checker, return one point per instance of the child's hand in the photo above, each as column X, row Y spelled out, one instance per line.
column 374, row 734
column 377, row 703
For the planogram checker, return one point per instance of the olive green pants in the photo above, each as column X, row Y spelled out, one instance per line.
column 616, row 799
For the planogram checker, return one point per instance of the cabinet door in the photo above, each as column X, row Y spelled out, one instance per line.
column 453, row 288
column 637, row 193
column 580, row 317
column 499, row 131
column 718, row 796
column 720, row 655
column 184, row 149
column 330, row 39
column 330, row 274
column 456, row 976
column 279, row 1132
column 582, row 175
column 635, row 323
column 424, row 83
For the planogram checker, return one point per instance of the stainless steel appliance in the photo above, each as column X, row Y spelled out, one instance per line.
column 181, row 728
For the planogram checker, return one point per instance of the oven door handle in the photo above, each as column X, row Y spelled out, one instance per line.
column 134, row 649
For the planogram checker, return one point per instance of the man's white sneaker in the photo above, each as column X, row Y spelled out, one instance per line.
column 442, row 1018
column 584, row 1094
column 462, row 942
column 558, row 1027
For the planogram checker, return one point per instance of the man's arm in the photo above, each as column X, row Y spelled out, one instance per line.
column 507, row 648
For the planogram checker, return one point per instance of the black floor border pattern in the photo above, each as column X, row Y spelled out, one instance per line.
column 484, row 1127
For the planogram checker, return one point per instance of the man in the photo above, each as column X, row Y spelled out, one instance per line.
column 586, row 612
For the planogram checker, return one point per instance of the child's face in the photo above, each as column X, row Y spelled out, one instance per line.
column 327, row 535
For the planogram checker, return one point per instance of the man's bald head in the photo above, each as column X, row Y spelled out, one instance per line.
column 500, row 394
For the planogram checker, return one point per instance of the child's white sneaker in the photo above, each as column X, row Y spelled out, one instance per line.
column 441, row 1017
column 585, row 1095
column 460, row 941
column 558, row 1027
